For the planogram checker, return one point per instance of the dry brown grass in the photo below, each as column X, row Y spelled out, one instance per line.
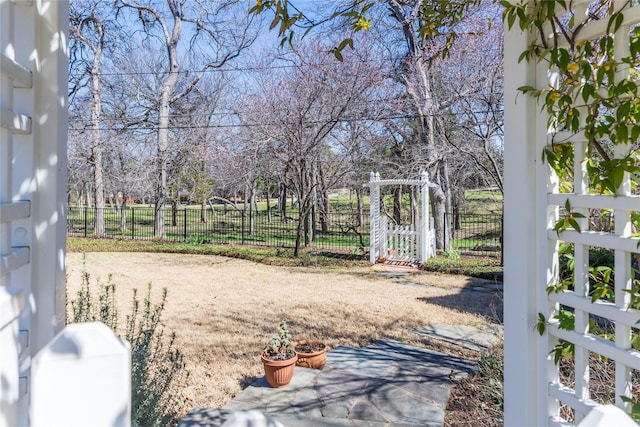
column 223, row 310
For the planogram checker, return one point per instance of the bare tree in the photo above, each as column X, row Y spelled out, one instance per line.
column 299, row 113
column 87, row 30
column 427, row 31
column 473, row 73
column 219, row 32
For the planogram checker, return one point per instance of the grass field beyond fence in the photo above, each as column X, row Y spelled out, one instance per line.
column 344, row 231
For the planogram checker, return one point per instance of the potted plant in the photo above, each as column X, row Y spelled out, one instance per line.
column 311, row 354
column 279, row 358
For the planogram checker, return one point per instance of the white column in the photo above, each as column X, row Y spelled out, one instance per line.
column 11, row 294
column 520, row 313
column 374, row 217
column 50, row 174
column 424, row 217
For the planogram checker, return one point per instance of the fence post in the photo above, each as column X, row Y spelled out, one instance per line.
column 85, row 220
column 445, row 241
column 133, row 222
column 242, row 230
column 185, row 224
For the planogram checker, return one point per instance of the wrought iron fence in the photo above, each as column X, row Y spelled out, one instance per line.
column 344, row 231
column 475, row 234
column 336, row 231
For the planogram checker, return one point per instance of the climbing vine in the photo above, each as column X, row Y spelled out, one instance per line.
column 593, row 91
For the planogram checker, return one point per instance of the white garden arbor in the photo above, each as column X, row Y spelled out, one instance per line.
column 395, row 242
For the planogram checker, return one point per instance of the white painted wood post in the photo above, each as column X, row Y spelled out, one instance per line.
column 374, row 217
column 607, row 416
column 424, row 218
column 522, row 399
column 82, row 378
column 11, row 305
column 383, row 237
column 33, row 135
column 50, row 170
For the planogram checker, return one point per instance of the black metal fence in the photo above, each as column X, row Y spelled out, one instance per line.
column 337, row 231
column 476, row 234
column 472, row 234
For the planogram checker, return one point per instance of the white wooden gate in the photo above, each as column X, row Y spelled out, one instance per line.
column 401, row 243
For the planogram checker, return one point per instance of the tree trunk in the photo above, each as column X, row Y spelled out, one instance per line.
column 97, row 148
column 309, row 227
column 282, row 201
column 267, row 196
column 174, row 212
column 301, row 227
column 299, row 233
column 397, row 205
column 164, row 111
column 89, row 194
column 123, row 214
column 323, row 202
column 414, row 195
column 360, row 199
column 436, row 196
column 203, row 212
column 446, row 186
column 253, row 208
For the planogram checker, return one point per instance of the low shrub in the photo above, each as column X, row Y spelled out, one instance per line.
column 478, row 400
column 158, row 371
column 474, row 267
column 451, row 254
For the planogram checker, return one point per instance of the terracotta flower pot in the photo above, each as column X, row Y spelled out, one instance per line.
column 279, row 372
column 315, row 359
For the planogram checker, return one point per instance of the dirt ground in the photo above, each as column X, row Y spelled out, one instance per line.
column 223, row 310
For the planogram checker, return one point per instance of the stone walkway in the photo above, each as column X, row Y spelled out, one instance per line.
column 385, row 384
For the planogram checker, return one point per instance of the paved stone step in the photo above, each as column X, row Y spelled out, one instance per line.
column 402, row 351
column 297, row 421
column 391, row 399
column 202, row 417
column 393, row 360
column 464, row 336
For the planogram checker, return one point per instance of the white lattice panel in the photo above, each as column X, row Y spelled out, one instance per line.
column 33, row 88
column 15, row 128
column 548, row 199
column 539, row 208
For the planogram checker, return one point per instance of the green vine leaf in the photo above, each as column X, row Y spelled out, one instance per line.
column 541, row 324
column 635, row 407
column 564, row 349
